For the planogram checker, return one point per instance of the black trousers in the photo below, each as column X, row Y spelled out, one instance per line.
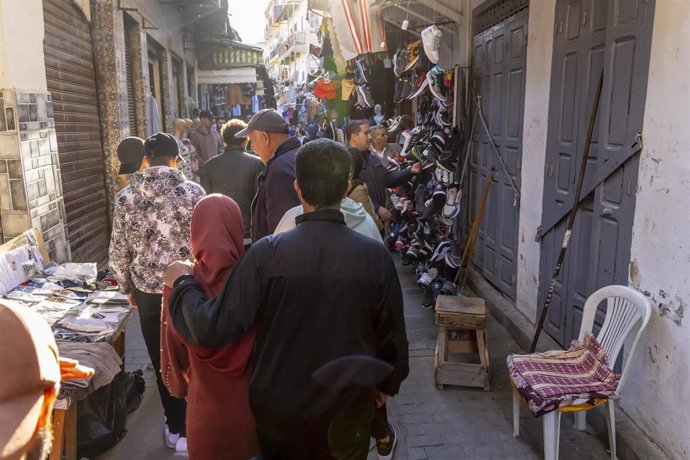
column 379, row 426
column 149, row 306
column 343, row 437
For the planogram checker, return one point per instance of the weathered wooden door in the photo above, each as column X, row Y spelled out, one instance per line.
column 499, row 59
column 591, row 35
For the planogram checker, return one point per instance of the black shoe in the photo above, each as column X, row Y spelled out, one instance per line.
column 428, row 299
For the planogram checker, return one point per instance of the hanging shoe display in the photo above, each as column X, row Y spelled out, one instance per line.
column 412, row 55
column 420, row 85
column 437, row 86
column 431, row 38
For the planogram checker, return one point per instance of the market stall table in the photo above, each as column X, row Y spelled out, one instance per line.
column 88, row 318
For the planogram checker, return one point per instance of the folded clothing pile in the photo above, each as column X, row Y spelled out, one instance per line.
column 78, row 273
column 101, row 357
column 555, row 379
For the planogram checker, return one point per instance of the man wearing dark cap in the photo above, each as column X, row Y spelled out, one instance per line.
column 130, row 152
column 270, row 139
column 206, row 140
column 151, row 229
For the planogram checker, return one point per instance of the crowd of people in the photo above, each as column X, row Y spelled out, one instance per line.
column 270, row 308
column 271, row 311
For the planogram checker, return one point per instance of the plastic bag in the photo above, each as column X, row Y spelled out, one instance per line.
column 102, row 416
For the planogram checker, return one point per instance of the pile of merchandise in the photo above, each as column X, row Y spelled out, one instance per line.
column 429, row 204
column 71, row 300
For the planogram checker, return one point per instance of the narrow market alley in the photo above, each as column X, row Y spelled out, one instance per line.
column 453, row 424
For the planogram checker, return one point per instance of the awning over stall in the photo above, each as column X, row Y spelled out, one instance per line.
column 359, row 23
column 227, row 76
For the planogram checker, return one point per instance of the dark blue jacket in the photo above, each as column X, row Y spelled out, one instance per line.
column 276, row 193
column 377, row 178
column 329, row 312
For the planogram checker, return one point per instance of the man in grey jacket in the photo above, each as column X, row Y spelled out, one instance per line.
column 234, row 172
column 205, row 139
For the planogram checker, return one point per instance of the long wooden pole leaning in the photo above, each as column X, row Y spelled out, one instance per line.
column 468, row 251
column 571, row 216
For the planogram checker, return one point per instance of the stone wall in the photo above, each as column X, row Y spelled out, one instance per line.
column 30, row 185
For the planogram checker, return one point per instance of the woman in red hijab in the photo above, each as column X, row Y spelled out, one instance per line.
column 220, row 424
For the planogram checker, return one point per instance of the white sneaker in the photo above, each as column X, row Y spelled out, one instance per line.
column 394, row 440
column 170, row 439
column 181, row 445
column 431, row 39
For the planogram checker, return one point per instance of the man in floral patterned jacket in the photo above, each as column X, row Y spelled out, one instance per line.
column 151, row 229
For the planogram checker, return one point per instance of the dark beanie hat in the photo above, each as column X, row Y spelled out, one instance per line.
column 161, row 145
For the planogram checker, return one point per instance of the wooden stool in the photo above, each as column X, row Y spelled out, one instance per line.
column 461, row 329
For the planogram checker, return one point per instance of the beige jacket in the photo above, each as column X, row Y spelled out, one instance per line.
column 360, row 194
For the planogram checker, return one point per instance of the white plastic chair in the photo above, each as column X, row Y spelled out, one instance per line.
column 625, row 308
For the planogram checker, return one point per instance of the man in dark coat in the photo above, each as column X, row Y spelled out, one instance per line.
column 374, row 174
column 269, row 135
column 331, row 341
column 234, row 172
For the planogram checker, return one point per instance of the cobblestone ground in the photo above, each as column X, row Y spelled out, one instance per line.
column 456, row 423
column 467, row 423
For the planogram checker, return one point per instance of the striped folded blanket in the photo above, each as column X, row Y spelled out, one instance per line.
column 555, row 379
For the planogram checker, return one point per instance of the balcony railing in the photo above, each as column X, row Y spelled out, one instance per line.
column 294, row 39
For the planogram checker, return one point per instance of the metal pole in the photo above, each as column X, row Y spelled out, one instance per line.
column 571, row 216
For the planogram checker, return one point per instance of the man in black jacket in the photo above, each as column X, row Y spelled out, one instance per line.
column 269, row 134
column 331, row 342
column 234, row 172
column 374, row 174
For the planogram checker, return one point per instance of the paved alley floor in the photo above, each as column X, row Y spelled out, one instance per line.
column 453, row 424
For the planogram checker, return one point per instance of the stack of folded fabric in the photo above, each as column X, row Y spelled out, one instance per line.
column 101, row 357
column 556, row 379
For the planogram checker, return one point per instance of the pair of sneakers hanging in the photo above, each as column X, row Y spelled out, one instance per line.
column 362, row 92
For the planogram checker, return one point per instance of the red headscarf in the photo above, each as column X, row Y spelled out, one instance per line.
column 217, row 240
column 217, row 245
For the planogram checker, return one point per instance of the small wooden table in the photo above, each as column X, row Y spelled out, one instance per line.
column 65, row 412
column 461, row 330
column 65, row 432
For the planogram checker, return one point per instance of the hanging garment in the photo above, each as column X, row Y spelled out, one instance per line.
column 348, row 87
column 320, row 89
column 361, row 29
column 234, row 95
column 255, row 104
column 247, row 93
column 219, row 97
column 152, row 120
column 325, row 89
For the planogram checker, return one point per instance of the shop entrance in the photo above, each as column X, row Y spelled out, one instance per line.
column 72, row 84
column 590, row 35
column 498, row 77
